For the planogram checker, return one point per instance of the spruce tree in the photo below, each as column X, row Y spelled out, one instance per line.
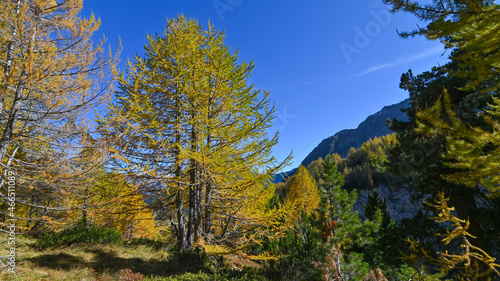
column 342, row 224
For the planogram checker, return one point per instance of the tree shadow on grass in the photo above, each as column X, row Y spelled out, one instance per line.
column 58, row 261
column 108, row 262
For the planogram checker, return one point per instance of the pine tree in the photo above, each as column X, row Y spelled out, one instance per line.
column 469, row 26
column 343, row 225
column 470, row 78
column 333, row 179
column 473, row 152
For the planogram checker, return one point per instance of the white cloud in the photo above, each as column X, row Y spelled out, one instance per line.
column 403, row 60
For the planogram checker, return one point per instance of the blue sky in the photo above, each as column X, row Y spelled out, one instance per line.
column 328, row 64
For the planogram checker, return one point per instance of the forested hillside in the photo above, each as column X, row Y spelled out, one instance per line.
column 375, row 125
column 173, row 180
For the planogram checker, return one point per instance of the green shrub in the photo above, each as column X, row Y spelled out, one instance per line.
column 202, row 276
column 80, row 234
column 299, row 248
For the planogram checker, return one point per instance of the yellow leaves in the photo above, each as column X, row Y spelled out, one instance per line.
column 187, row 116
column 302, row 194
column 467, row 261
column 472, row 152
column 51, row 84
column 266, row 256
column 216, row 249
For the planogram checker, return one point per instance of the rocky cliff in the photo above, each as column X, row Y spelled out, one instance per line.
column 374, row 126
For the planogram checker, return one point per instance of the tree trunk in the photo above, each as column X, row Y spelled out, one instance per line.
column 8, row 63
column 182, row 240
column 16, row 104
column 11, row 121
column 208, row 220
column 32, row 210
column 194, row 194
column 181, row 228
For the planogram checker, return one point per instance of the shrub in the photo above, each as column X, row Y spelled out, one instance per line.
column 129, row 275
column 202, row 276
column 80, row 234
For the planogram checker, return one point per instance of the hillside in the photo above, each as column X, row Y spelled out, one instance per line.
column 374, row 126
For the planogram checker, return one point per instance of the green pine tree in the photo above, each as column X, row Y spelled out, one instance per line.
column 341, row 223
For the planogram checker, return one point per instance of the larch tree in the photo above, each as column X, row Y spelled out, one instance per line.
column 470, row 26
column 187, row 125
column 52, row 75
column 103, row 197
column 302, row 195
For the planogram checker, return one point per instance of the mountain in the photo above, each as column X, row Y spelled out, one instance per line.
column 374, row 126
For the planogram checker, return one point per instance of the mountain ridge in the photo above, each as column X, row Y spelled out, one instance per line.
column 373, row 126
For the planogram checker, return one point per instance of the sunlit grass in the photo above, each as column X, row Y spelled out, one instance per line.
column 81, row 262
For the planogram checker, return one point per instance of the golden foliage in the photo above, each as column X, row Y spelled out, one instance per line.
column 472, row 263
column 53, row 75
column 302, row 195
column 190, row 128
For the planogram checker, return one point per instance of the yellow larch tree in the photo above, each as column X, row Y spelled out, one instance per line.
column 52, row 76
column 302, row 194
column 191, row 131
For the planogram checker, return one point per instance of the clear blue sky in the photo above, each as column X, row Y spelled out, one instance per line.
column 328, row 64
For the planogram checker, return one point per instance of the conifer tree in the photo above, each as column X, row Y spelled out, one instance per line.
column 302, row 195
column 332, row 180
column 188, row 127
column 52, row 75
column 104, row 197
column 468, row 263
column 473, row 152
column 468, row 28
column 345, row 227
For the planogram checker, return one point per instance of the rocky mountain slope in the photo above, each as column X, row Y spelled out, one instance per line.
column 374, row 126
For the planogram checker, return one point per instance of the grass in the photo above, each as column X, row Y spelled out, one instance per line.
column 83, row 262
column 103, row 262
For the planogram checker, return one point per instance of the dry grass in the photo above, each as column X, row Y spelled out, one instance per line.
column 83, row 262
column 97, row 262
